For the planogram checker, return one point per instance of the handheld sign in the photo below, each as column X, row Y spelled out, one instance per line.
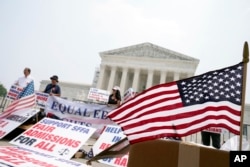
column 41, row 99
column 128, row 94
column 98, row 95
column 54, row 137
column 14, row 92
column 19, row 157
column 110, row 135
column 14, row 120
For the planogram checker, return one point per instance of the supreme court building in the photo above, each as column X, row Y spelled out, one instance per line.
column 138, row 67
column 142, row 66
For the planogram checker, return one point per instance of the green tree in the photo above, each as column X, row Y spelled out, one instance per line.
column 3, row 90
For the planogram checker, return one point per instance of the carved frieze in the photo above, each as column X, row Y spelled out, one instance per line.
column 148, row 50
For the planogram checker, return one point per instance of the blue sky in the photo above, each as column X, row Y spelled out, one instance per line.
column 65, row 37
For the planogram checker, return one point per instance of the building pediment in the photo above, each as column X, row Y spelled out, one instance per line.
column 147, row 50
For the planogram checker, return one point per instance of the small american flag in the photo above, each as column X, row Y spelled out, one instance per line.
column 26, row 99
column 189, row 105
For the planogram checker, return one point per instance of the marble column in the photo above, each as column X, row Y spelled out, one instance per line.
column 176, row 76
column 111, row 78
column 189, row 75
column 101, row 77
column 163, row 77
column 123, row 80
column 149, row 79
column 136, row 79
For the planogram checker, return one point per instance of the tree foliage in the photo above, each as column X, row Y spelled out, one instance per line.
column 3, row 90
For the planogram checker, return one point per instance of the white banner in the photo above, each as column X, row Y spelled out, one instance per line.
column 14, row 92
column 14, row 120
column 98, row 95
column 19, row 157
column 110, row 136
column 91, row 115
column 41, row 99
column 54, row 137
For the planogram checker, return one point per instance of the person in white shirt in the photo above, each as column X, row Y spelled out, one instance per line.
column 24, row 80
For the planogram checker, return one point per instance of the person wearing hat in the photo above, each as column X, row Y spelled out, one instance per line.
column 53, row 88
column 115, row 97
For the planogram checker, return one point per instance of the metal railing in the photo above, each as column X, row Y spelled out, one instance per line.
column 4, row 102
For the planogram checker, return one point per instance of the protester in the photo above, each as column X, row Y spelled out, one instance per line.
column 206, row 136
column 24, row 80
column 53, row 88
column 23, row 83
column 115, row 97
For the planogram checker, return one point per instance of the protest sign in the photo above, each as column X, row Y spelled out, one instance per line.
column 98, row 95
column 11, row 156
column 91, row 115
column 14, row 120
column 14, row 92
column 128, row 94
column 41, row 99
column 54, row 137
column 110, row 135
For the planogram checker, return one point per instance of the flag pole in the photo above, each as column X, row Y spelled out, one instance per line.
column 245, row 61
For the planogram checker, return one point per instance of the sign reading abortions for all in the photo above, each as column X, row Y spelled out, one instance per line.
column 11, row 156
column 54, row 137
column 111, row 135
column 15, row 119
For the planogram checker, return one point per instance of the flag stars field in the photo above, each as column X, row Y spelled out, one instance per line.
column 187, row 103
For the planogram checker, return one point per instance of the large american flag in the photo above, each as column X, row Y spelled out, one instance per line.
column 26, row 99
column 184, row 107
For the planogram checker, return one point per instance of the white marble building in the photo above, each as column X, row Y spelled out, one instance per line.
column 142, row 66
column 138, row 66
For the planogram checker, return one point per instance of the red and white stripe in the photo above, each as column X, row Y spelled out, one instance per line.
column 159, row 112
column 22, row 103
